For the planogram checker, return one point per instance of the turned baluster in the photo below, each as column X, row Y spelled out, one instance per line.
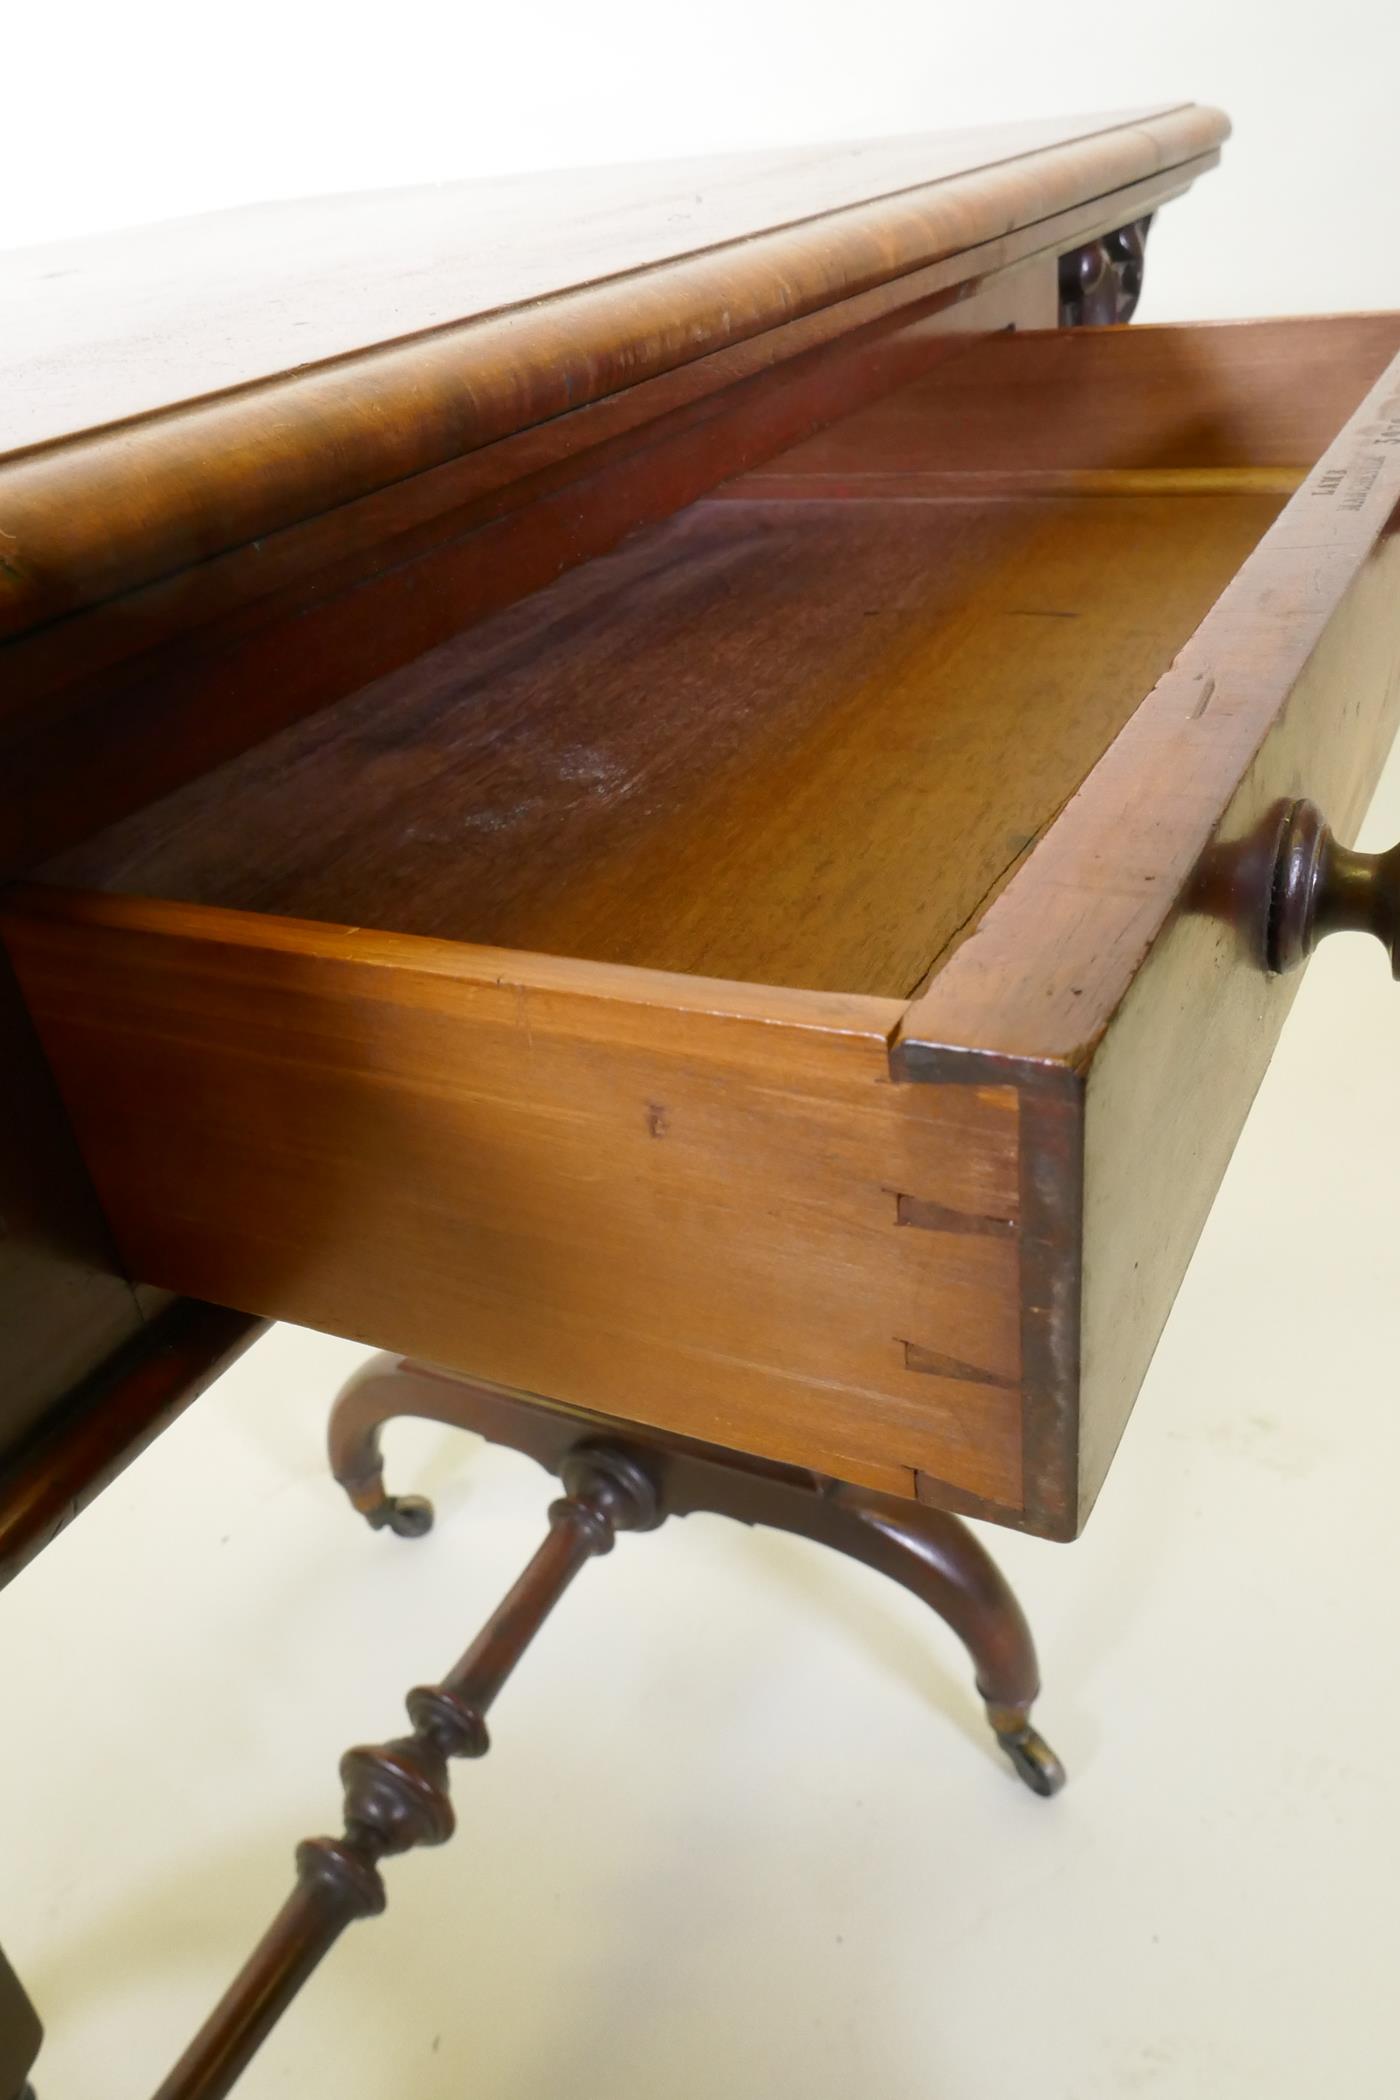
column 396, row 1793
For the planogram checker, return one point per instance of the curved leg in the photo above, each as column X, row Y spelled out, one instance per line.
column 935, row 1556
column 388, row 1387
column 931, row 1553
column 385, row 1387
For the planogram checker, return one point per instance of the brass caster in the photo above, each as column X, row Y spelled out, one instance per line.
column 1034, row 1761
column 407, row 1516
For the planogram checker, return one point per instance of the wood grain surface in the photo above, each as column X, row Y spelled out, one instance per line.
column 184, row 479
column 1229, row 399
column 768, row 742
column 110, row 327
column 109, row 709
column 673, row 1200
column 181, row 584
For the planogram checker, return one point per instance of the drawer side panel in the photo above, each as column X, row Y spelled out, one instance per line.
column 1181, row 1064
column 600, row 1186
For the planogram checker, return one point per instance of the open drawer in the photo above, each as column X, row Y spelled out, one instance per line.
column 797, row 979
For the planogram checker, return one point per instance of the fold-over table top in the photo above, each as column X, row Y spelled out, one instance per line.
column 108, row 327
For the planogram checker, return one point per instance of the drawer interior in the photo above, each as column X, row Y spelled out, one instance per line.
column 800, row 733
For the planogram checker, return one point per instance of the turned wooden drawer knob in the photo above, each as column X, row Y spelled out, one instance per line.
column 1320, row 887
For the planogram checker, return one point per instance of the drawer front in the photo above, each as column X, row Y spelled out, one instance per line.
column 1121, row 980
column 703, row 1207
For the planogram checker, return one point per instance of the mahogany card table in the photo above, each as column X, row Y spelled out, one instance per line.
column 688, row 798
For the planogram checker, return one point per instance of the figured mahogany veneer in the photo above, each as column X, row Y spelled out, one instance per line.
column 908, row 1205
column 455, row 321
column 354, row 476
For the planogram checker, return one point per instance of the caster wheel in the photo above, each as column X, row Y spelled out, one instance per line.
column 1034, row 1761
column 407, row 1516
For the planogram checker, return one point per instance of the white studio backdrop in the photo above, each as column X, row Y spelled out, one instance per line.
column 115, row 116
